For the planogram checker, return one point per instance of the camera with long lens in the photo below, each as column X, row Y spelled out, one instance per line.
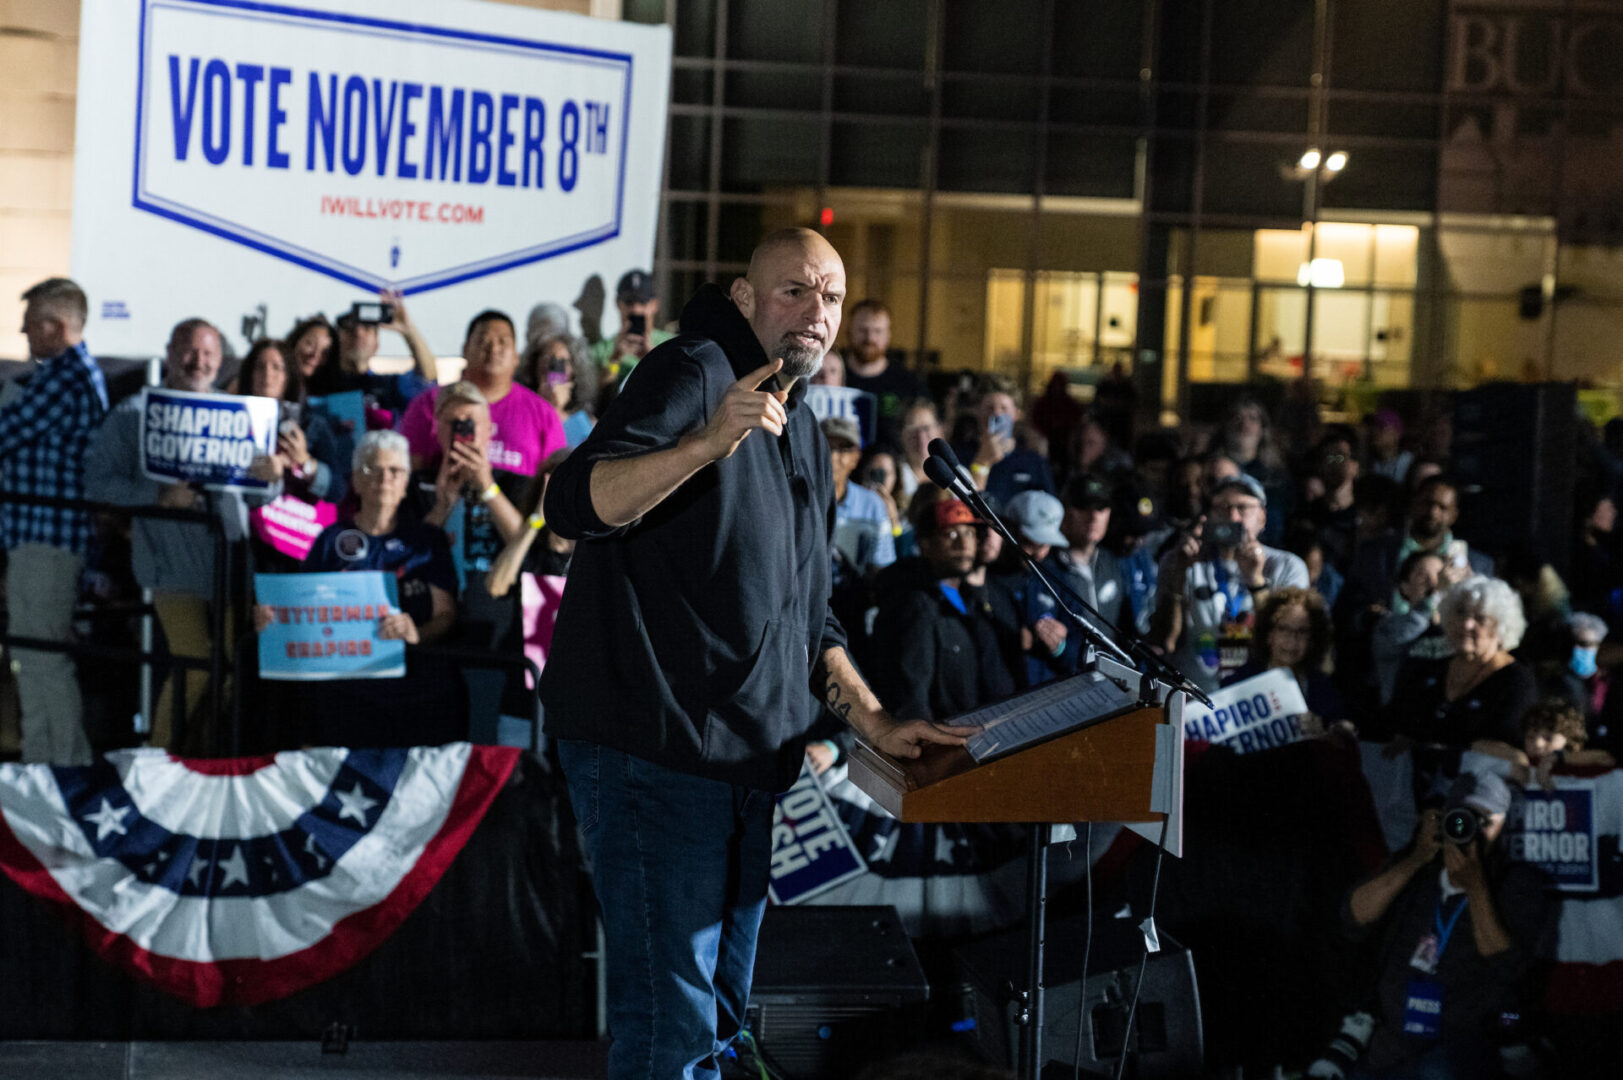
column 1461, row 824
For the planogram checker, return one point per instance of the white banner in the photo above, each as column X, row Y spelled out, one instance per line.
column 1259, row 713
column 303, row 156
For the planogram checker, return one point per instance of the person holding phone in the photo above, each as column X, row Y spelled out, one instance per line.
column 1001, row 465
column 1209, row 586
column 691, row 641
column 558, row 368
column 358, row 343
column 638, row 305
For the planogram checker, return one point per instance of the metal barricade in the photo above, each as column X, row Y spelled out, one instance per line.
column 216, row 664
column 224, row 662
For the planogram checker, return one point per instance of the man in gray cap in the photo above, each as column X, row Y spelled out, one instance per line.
column 1210, row 586
column 1456, row 939
column 639, row 311
column 863, row 535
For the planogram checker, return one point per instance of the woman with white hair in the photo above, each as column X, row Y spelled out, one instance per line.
column 1481, row 691
column 424, row 707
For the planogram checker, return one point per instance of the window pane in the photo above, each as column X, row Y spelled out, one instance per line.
column 986, row 159
column 759, row 151
column 1099, row 166
column 889, row 155
column 790, row 30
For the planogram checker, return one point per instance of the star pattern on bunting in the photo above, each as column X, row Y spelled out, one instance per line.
column 355, row 804
column 234, row 869
column 108, row 820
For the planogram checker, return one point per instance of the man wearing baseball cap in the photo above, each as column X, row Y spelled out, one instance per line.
column 862, row 532
column 935, row 636
column 1035, row 517
column 1209, row 587
column 639, row 310
column 1459, row 922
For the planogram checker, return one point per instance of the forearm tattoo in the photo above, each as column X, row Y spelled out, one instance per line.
column 836, row 701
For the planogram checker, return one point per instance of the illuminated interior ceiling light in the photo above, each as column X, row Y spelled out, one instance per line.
column 1322, row 274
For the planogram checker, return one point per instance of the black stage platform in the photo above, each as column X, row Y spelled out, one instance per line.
column 301, row 1060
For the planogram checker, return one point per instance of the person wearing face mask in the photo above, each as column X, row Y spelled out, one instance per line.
column 1571, row 667
column 176, row 559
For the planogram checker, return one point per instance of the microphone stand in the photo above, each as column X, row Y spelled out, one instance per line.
column 944, row 469
column 951, row 476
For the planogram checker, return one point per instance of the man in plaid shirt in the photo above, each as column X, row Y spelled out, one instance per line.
column 43, row 437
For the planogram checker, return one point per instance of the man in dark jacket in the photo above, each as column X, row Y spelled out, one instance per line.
column 695, row 621
column 940, row 644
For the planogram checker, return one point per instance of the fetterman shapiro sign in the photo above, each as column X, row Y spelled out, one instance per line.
column 306, row 154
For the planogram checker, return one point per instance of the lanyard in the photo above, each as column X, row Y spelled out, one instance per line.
column 1445, row 932
column 1231, row 599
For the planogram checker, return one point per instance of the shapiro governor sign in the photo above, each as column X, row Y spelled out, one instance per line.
column 303, row 155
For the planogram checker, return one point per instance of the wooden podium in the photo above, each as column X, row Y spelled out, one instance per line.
column 1105, row 771
column 1125, row 766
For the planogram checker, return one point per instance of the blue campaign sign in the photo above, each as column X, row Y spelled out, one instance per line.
column 325, row 626
column 346, row 414
column 1557, row 835
column 811, row 851
column 858, row 405
column 207, row 439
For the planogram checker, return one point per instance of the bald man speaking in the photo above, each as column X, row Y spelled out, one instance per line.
column 694, row 646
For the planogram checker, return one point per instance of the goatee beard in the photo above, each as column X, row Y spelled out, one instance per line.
column 800, row 361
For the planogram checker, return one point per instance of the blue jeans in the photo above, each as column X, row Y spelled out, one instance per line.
column 680, row 865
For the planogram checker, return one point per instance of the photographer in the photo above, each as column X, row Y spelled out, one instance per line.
column 1455, row 939
column 1209, row 586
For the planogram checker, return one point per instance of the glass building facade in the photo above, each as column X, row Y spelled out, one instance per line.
column 1206, row 191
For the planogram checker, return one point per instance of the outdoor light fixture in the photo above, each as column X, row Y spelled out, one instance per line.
column 1336, row 161
column 1310, row 160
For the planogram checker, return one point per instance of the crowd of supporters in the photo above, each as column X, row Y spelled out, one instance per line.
column 1273, row 539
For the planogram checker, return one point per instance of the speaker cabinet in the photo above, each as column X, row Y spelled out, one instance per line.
column 835, row 988
column 1167, row 1038
column 1514, row 457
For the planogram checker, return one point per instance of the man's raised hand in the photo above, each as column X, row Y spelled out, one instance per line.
column 742, row 410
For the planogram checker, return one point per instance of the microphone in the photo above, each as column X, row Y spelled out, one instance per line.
column 942, row 476
column 941, row 450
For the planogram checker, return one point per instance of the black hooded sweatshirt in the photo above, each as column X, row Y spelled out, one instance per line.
column 691, row 637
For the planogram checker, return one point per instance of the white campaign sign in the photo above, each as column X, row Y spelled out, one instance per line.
column 1259, row 713
column 304, row 155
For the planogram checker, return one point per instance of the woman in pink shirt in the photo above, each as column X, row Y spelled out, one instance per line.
column 526, row 430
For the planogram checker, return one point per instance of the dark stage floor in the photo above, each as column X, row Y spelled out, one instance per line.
column 296, row 1061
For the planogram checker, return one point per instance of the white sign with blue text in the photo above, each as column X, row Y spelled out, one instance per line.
column 205, row 439
column 307, row 154
column 811, row 851
column 1259, row 713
